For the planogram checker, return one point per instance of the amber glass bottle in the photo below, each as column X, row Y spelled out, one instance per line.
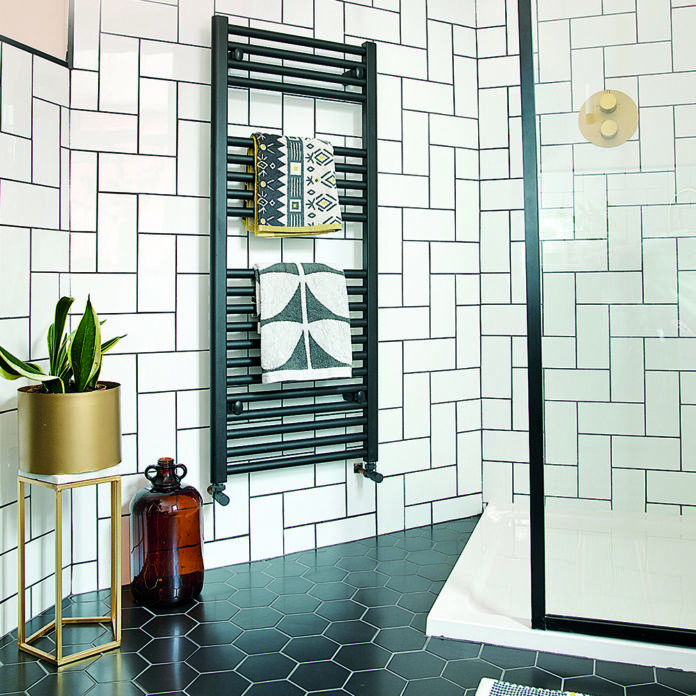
column 166, row 552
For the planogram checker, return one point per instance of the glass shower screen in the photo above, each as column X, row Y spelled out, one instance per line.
column 615, row 92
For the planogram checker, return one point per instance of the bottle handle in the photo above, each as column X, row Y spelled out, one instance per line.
column 180, row 466
column 151, row 472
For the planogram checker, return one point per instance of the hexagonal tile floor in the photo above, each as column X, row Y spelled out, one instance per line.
column 345, row 620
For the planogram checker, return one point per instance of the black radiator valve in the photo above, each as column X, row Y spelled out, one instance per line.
column 369, row 470
column 216, row 490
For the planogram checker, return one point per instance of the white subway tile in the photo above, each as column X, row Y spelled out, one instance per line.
column 402, row 61
column 193, row 164
column 502, row 195
column 637, row 59
column 16, row 78
column 558, row 351
column 428, row 355
column 192, row 254
column 192, row 328
column 390, row 375
column 590, row 206
column 159, row 372
column 494, row 72
column 554, row 51
column 594, row 466
column 467, row 211
column 156, row 273
column 14, row 271
column 465, row 84
column 434, row 484
column 561, row 481
column 454, row 257
column 8, row 440
column 403, row 190
column 688, row 444
column 415, row 143
column 16, row 156
column 404, row 456
column 576, row 385
column 670, row 354
column 390, row 505
column 606, row 30
column 86, row 34
column 442, row 307
column 328, row 19
column 266, row 520
column 443, row 435
column 142, row 19
column 90, row 130
column 675, row 487
column 662, row 403
column 491, row 42
column 416, row 412
column 667, row 89
column 45, row 292
column 587, row 67
column 370, row 23
column 83, row 191
column 173, row 215
column 457, row 508
column 490, row 13
column 416, row 277
column 137, row 173
column 194, row 21
column 654, row 21
column 439, row 52
column 457, row 13
column 83, row 252
column 442, row 177
column 194, row 101
column 592, row 336
column 577, row 255
column 495, row 164
column 552, row 97
column 389, row 156
column 111, row 293
column 349, row 529
column 645, row 452
column 299, row 539
column 430, row 97
column 454, row 385
column 468, row 337
column 156, row 428
column 314, row 505
column 84, row 89
column 560, row 432
column 659, row 270
column 611, row 419
column 685, row 120
column 428, row 224
column 29, row 205
column 118, row 74
column 51, row 81
column 687, row 310
column 505, row 446
column 464, row 41
column 496, row 414
column 495, row 242
column 686, row 172
column 496, row 366
column 644, row 320
column 174, row 62
column 117, row 238
column 157, row 123
column 397, row 324
column 50, row 251
column 503, row 320
column 223, row 552
column 493, row 130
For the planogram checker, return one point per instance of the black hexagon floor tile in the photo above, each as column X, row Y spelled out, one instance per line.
column 677, row 679
column 257, row 617
column 266, row 667
column 346, row 632
column 625, row 674
column 376, row 681
column 508, row 657
column 302, row 625
column 533, row 676
column 204, row 612
column 162, row 650
column 362, row 656
column 313, row 676
column 169, row 626
column 228, row 683
column 216, row 633
column 468, row 673
column 310, row 648
column 73, row 683
column 174, row 676
column 296, row 603
column 116, row 667
column 433, row 686
column 261, row 640
column 416, row 665
column 215, row 658
column 341, row 610
column 275, row 688
column 593, row 685
column 565, row 665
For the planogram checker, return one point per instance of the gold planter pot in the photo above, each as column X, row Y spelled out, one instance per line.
column 69, row 433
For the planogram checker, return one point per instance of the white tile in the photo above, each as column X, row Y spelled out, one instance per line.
column 390, row 505
column 159, row 372
column 8, row 471
column 687, row 291
column 86, row 34
column 594, row 466
column 552, row 97
column 502, row 195
column 454, row 257
column 328, row 19
column 494, row 72
column 560, row 433
column 453, row 131
column 299, row 539
column 192, row 254
column 402, row 61
column 83, row 252
column 627, row 376
column 669, row 354
column 16, row 156
column 465, row 84
column 607, row 30
column 137, row 173
column 157, row 123
column 587, row 67
column 464, row 40
column 45, row 292
column 671, row 487
column 419, row 95
column 561, row 481
column 84, row 514
column 496, row 414
column 469, row 462
column 457, row 13
column 50, row 250
column 439, row 52
column 643, row 320
column 638, row 59
column 491, row 42
column 659, row 271
column 554, row 51
column 653, row 20
column 174, row 62
column 225, row 551
column 156, row 428
column 84, row 89
column 428, row 224
column 656, row 131
column 592, row 336
column 51, row 81
column 194, row 21
column 662, row 403
column 467, row 289
column 266, row 111
column 495, row 242
column 194, row 101
column 495, row 164
column 503, row 320
column 415, row 143
column 467, row 211
column 370, row 23
column 91, row 130
column 390, row 375
column 645, row 452
column 576, row 385
column 349, row 529
column 156, row 273
column 26, row 204
column 16, row 77
column 457, row 508
column 314, row 505
column 389, row 156
column 578, row 255
column 14, row 275
column 686, row 171
column 624, row 235
column 117, row 237
column 688, row 445
column 505, row 446
column 468, row 337
column 173, row 215
column 416, row 412
column 558, row 351
column 266, row 519
column 111, row 293
column 442, row 177
column 192, row 326
column 442, row 310
column 495, row 367
column 193, row 164
column 667, row 89
column 271, row 10
column 83, row 191
column 397, row 324
column 402, row 190
column 443, row 435
column 490, row 13
column 428, row 355
column 611, row 419
column 389, row 288
column 416, row 277
column 118, row 74
column 685, row 120
column 434, row 484
column 590, row 206
column 413, row 23
column 142, row 19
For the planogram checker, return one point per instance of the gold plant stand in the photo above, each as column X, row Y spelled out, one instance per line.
column 113, row 619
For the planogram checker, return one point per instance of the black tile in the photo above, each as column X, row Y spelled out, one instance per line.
column 533, row 676
column 419, row 622
column 21, row 676
column 169, row 626
column 353, row 563
column 428, row 557
column 366, row 578
column 417, row 665
column 436, row 572
column 257, row 617
column 341, row 610
column 409, row 583
column 311, row 648
column 275, row 688
column 253, row 597
column 652, row 690
column 377, row 597
column 217, row 633
column 212, row 611
column 92, row 608
column 10, row 654
column 249, row 578
column 593, row 685
column 136, row 617
column 453, row 649
column 133, row 639
column 303, row 625
column 218, row 575
column 565, row 665
column 266, row 667
column 325, row 574
column 330, row 692
column 215, row 658
column 117, row 689
column 373, row 682
column 332, row 590
column 398, row 567
column 683, row 681
column 163, row 650
column 116, row 667
column 227, row 683
column 291, row 585
column 215, row 592
column 468, row 673
column 315, row 676
column 623, row 673
column 400, row 639
column 285, row 567
column 261, row 640
column 508, row 657
column 388, row 617
column 433, row 686
column 345, row 632
column 387, row 553
column 174, row 676
column 73, row 683
column 362, row 656
column 414, row 543
column 295, row 603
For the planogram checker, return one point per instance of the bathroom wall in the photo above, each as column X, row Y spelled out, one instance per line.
column 132, row 230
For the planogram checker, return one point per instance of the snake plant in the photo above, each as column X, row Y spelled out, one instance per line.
column 74, row 359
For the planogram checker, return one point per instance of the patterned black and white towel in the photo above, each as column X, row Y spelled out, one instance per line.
column 294, row 187
column 490, row 687
column 304, row 322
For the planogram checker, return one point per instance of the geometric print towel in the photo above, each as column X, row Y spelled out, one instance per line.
column 304, row 322
column 489, row 687
column 294, row 187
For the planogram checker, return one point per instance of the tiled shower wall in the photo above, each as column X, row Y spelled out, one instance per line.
column 121, row 211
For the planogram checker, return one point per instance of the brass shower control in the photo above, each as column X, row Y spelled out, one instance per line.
column 608, row 118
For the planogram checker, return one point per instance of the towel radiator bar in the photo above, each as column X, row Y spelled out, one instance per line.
column 256, row 427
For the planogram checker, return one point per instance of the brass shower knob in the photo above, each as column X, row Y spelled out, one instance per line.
column 608, row 118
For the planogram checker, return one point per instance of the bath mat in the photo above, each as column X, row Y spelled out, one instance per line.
column 490, row 687
column 304, row 322
column 294, row 187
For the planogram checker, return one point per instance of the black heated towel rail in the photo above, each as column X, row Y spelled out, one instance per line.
column 253, row 426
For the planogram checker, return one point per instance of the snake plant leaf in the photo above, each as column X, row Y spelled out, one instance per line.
column 85, row 349
column 108, row 345
column 55, row 331
column 11, row 367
